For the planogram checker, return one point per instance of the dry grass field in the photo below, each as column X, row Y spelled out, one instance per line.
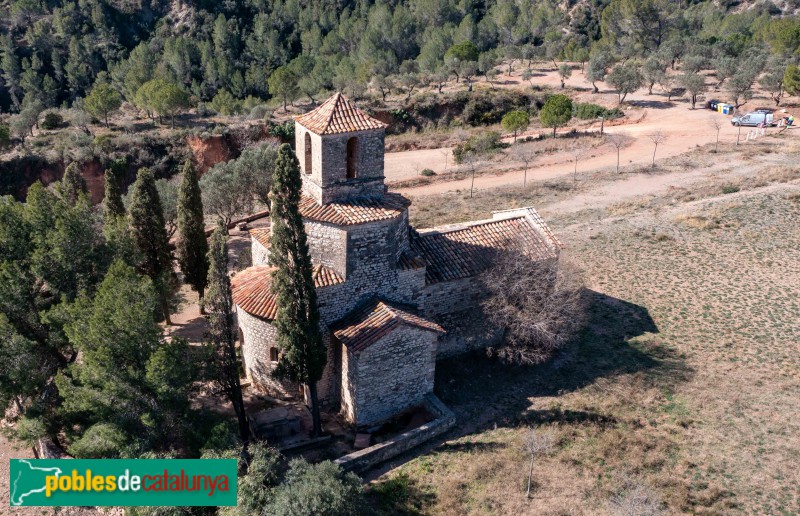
column 685, row 385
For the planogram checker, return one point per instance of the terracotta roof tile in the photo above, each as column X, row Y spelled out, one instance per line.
column 252, row 292
column 356, row 211
column 337, row 115
column 464, row 252
column 374, row 319
column 409, row 261
column 261, row 235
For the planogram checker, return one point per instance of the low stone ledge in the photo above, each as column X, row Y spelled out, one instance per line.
column 45, row 448
column 363, row 460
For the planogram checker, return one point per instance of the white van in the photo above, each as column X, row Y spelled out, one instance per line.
column 753, row 119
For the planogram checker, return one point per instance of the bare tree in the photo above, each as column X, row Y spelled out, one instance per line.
column 635, row 499
column 535, row 444
column 446, row 152
column 539, row 303
column 657, row 138
column 526, row 155
column 471, row 162
column 617, row 140
column 717, row 125
column 577, row 153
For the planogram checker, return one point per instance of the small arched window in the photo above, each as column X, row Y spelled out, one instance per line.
column 352, row 157
column 307, row 160
column 273, row 354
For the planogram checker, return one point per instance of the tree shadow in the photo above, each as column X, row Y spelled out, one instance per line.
column 456, row 447
column 399, row 495
column 485, row 392
column 652, row 104
column 193, row 330
column 558, row 415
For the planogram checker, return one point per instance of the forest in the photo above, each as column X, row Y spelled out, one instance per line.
column 227, row 57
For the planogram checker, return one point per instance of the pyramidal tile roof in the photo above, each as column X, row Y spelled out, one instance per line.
column 337, row 115
column 374, row 319
column 252, row 288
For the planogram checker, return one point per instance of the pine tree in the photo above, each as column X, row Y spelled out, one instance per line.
column 72, row 184
column 303, row 355
column 222, row 328
column 192, row 247
column 146, row 219
column 112, row 202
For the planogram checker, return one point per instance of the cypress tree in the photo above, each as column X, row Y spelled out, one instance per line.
column 303, row 355
column 146, row 219
column 192, row 247
column 112, row 201
column 222, row 327
column 72, row 184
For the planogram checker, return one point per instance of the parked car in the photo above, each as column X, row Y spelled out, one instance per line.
column 753, row 119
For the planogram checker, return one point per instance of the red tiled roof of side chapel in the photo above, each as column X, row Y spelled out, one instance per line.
column 368, row 323
column 337, row 115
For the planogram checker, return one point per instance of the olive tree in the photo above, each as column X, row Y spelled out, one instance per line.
column 625, row 78
column 694, row 84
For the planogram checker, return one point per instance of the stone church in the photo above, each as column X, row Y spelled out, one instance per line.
column 385, row 289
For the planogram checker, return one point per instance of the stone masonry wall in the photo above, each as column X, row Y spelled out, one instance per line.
column 371, row 271
column 315, row 174
column 466, row 331
column 328, row 246
column 259, row 253
column 258, row 337
column 362, row 460
column 401, row 236
column 391, row 375
column 448, row 297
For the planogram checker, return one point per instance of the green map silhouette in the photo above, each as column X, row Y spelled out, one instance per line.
column 27, row 479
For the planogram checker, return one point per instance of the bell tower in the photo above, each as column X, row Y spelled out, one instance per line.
column 340, row 149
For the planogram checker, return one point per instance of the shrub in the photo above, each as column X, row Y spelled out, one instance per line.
column 104, row 143
column 284, row 131
column 729, row 189
column 401, row 115
column 483, row 143
column 486, row 108
column 590, row 111
column 52, row 120
column 260, row 112
column 322, row 488
column 225, row 104
column 100, row 440
column 427, row 172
